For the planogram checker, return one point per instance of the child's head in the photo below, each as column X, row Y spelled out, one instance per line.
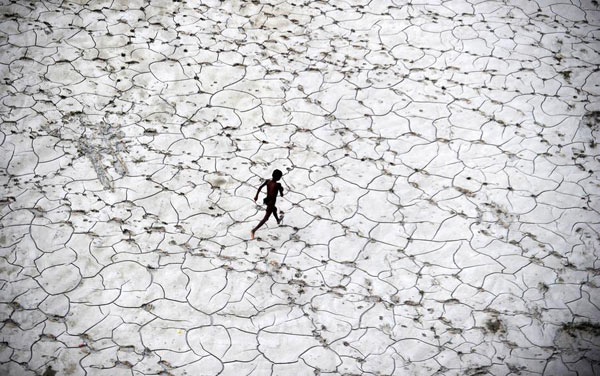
column 277, row 175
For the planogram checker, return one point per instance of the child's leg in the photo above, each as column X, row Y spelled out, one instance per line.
column 275, row 215
column 267, row 215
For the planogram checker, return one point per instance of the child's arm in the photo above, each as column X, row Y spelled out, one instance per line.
column 281, row 190
column 259, row 188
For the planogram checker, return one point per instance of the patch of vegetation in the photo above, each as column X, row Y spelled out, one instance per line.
column 592, row 119
column 494, row 325
column 477, row 371
column 566, row 74
column 582, row 326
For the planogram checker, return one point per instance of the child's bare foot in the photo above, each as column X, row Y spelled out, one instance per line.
column 280, row 217
column 251, row 235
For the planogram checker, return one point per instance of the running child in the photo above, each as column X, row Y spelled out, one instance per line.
column 272, row 188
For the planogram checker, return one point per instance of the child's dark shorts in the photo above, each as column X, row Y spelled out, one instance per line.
column 269, row 201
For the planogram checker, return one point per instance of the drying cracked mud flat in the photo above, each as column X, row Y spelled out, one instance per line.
column 440, row 173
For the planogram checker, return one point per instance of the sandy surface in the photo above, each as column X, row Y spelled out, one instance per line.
column 440, row 173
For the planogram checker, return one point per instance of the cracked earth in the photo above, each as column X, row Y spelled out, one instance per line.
column 440, row 172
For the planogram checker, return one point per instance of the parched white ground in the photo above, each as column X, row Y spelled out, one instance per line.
column 440, row 172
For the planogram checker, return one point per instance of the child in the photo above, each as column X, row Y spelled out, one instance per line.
column 272, row 188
